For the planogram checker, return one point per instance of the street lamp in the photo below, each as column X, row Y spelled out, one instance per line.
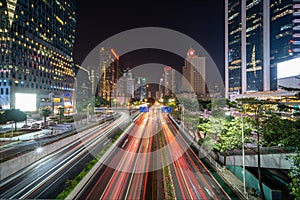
column 87, row 112
column 243, row 155
column 243, row 151
column 182, row 115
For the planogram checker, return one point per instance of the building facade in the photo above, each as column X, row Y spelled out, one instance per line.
column 140, row 88
column 259, row 34
column 124, row 89
column 194, row 71
column 110, row 72
column 36, row 46
column 169, row 82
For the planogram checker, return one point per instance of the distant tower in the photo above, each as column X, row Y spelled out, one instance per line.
column 109, row 66
column 194, row 71
column 169, row 81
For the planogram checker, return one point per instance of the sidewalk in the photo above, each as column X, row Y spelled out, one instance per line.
column 52, row 130
column 236, row 183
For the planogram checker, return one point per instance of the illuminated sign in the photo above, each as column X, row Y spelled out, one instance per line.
column 288, row 68
column 25, row 101
column 56, row 100
column 166, row 109
column 144, row 109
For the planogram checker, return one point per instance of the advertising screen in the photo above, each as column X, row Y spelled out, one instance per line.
column 288, row 68
column 25, row 101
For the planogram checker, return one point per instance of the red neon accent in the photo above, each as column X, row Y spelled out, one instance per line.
column 115, row 54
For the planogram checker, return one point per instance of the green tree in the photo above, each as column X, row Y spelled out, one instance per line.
column 15, row 115
column 294, row 173
column 212, row 129
column 60, row 112
column 100, row 101
column 45, row 112
column 277, row 131
column 231, row 135
column 3, row 118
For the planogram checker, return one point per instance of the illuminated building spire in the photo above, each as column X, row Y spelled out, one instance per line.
column 253, row 60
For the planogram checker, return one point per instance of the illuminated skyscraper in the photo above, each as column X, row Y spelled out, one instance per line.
column 36, row 45
column 169, row 81
column 258, row 35
column 194, row 71
column 110, row 70
column 140, row 88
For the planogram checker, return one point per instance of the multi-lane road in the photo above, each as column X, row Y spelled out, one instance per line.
column 46, row 178
column 151, row 161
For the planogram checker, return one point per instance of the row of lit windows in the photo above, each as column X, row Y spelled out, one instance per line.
column 280, row 9
column 34, row 48
column 233, row 16
column 235, row 31
column 253, row 3
column 281, row 35
column 35, row 74
column 287, row 12
column 252, row 28
column 234, row 67
column 17, row 83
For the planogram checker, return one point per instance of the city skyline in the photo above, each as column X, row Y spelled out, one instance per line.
column 114, row 21
column 150, row 99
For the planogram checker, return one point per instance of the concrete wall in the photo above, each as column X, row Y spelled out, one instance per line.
column 252, row 183
column 277, row 161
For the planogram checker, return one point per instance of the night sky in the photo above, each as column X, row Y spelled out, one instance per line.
column 202, row 20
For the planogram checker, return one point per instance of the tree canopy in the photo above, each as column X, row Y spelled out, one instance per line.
column 14, row 115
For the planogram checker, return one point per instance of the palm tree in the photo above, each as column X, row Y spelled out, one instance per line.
column 60, row 112
column 45, row 112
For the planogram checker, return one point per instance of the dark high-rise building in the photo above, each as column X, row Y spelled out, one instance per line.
column 110, row 72
column 284, row 33
column 194, row 71
column 140, row 88
column 36, row 45
column 169, row 81
column 259, row 34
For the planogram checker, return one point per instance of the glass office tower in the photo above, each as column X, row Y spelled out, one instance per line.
column 259, row 34
column 36, row 45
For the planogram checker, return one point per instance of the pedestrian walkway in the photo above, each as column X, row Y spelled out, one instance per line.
column 233, row 181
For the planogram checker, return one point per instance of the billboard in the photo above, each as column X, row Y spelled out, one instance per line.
column 288, row 68
column 25, row 101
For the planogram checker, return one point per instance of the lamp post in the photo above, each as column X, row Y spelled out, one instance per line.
column 243, row 155
column 12, row 130
column 182, row 117
column 87, row 112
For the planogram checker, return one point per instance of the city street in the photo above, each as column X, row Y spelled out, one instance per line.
column 132, row 169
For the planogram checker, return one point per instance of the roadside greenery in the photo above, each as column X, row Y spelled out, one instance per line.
column 14, row 115
column 294, row 173
column 167, row 176
column 223, row 134
column 263, row 125
column 71, row 184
